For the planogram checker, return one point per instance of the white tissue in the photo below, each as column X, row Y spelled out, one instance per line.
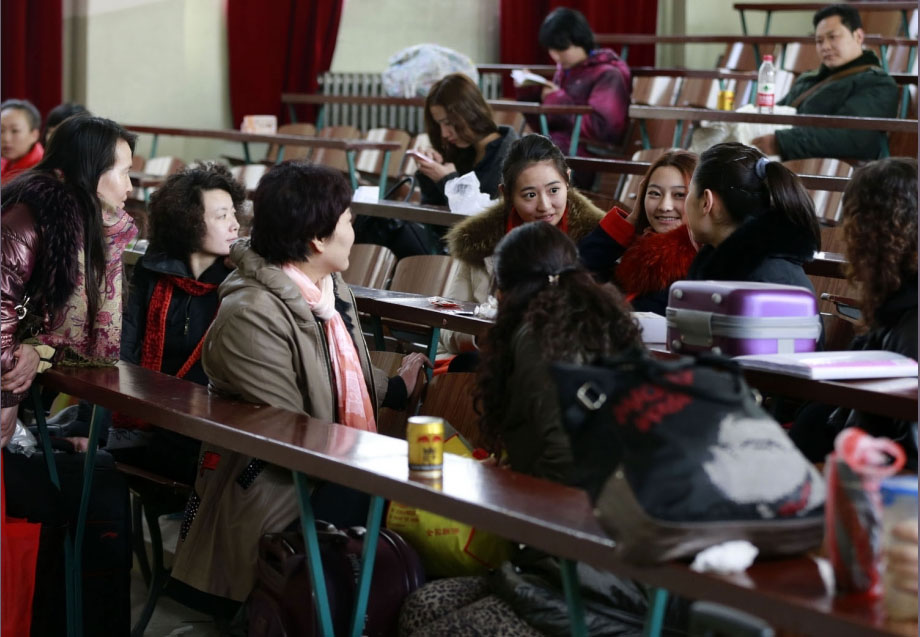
column 463, row 196
column 366, row 194
column 725, row 558
column 487, row 310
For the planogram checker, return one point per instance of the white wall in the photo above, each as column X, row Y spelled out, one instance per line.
column 373, row 30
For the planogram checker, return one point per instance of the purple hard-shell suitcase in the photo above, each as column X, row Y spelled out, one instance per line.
column 735, row 318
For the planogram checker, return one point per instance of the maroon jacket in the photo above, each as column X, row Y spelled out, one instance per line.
column 602, row 81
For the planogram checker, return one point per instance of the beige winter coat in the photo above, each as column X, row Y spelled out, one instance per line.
column 267, row 347
column 472, row 242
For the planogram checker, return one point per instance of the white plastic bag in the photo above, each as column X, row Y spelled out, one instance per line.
column 412, row 71
column 463, row 196
column 710, row 133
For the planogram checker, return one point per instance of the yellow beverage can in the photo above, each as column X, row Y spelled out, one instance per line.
column 425, row 435
column 726, row 100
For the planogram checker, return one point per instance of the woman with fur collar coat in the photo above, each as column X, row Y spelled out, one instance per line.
column 646, row 250
column 535, row 187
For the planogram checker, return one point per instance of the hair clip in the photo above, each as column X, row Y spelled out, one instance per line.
column 760, row 168
column 553, row 279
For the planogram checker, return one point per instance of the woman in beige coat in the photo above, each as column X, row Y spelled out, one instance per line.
column 535, row 187
column 286, row 335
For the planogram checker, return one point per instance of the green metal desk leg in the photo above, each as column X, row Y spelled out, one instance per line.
column 314, row 561
column 678, row 133
column 883, row 54
column 320, row 118
column 292, row 113
column 379, row 342
column 744, row 30
column 280, row 157
column 352, row 171
column 766, row 24
column 246, row 152
column 624, row 52
column 573, row 599
column 654, row 618
column 384, row 174
column 905, row 23
column 89, row 464
column 368, row 554
column 544, row 125
column 573, row 146
column 56, row 481
column 154, row 144
column 433, row 348
column 643, row 131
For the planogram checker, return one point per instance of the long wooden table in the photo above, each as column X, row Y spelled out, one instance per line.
column 791, row 593
column 535, row 108
column 350, row 146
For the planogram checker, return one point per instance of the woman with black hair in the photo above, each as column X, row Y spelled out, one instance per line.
column 753, row 217
column 174, row 299
column 585, row 75
column 550, row 309
column 63, row 233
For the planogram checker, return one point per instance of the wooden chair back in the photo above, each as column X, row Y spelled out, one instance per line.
column 249, row 174
column 882, row 22
column 369, row 265
column 630, row 189
column 653, row 91
column 450, row 396
column 905, row 144
column 827, row 203
column 429, row 274
column 371, row 161
column 699, row 92
column 332, row 157
column 292, row 152
column 799, row 58
column 740, row 57
column 831, row 241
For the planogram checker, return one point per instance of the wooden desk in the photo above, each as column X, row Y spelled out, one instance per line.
column 434, row 215
column 829, row 264
column 350, row 146
column 536, row 108
column 877, row 5
column 789, row 593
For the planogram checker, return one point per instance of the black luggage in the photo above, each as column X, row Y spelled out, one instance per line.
column 106, row 543
column 281, row 603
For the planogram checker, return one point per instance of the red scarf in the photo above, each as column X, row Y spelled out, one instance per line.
column 155, row 335
column 9, row 169
column 514, row 220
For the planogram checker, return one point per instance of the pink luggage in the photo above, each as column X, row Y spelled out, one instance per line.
column 734, row 318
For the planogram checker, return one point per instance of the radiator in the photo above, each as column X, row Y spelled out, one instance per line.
column 365, row 116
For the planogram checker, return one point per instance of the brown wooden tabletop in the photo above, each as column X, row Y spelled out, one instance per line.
column 874, row 5
column 829, row 264
column 287, row 140
column 789, row 593
column 435, row 215
column 497, row 105
column 416, row 308
column 825, row 121
column 871, row 39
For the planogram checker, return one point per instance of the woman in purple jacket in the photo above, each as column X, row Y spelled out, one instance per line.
column 584, row 75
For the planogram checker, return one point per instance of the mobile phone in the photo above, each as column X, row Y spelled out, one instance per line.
column 418, row 156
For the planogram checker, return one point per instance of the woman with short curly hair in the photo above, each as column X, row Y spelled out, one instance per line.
column 880, row 230
column 174, row 299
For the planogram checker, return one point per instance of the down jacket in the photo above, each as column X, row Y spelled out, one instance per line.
column 472, row 242
column 265, row 346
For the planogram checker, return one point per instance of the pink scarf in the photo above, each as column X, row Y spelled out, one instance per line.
column 355, row 409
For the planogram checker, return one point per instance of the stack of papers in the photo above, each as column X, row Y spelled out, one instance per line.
column 834, row 365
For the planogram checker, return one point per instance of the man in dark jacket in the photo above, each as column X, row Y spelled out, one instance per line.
column 849, row 82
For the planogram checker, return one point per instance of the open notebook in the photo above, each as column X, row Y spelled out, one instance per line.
column 834, row 365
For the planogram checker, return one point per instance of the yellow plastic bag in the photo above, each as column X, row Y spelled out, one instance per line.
column 447, row 547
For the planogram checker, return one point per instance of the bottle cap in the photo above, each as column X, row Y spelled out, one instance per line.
column 768, row 58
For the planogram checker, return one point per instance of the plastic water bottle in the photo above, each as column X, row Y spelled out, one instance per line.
column 766, row 85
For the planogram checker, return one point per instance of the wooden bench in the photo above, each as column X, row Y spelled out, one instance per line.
column 876, row 5
column 790, row 593
column 535, row 108
column 350, row 146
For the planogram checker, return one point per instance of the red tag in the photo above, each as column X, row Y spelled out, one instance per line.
column 209, row 461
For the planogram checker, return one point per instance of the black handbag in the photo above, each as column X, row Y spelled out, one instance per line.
column 678, row 455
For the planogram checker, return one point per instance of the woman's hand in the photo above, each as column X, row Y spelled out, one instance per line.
column 633, row 217
column 435, row 170
column 20, row 378
column 7, row 424
column 551, row 88
column 409, row 369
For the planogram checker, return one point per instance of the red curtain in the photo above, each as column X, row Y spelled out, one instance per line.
column 278, row 47
column 520, row 22
column 31, row 51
